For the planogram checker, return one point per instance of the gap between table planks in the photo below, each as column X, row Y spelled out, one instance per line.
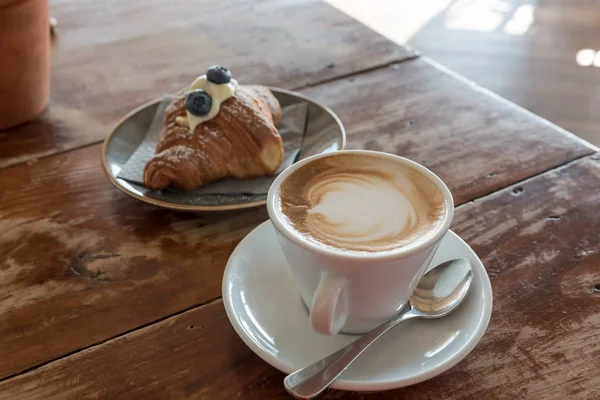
column 82, row 263
column 541, row 343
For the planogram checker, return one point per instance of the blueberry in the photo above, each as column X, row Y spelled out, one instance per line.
column 217, row 74
column 198, row 102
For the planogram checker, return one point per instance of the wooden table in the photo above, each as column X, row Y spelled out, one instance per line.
column 104, row 297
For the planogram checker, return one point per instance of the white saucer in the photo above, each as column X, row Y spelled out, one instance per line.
column 266, row 310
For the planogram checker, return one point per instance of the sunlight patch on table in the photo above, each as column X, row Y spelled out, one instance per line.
column 397, row 20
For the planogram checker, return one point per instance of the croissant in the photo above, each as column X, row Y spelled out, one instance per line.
column 240, row 141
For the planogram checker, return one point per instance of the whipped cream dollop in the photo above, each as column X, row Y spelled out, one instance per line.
column 218, row 92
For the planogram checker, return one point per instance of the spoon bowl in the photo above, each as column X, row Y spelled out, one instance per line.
column 439, row 292
column 442, row 289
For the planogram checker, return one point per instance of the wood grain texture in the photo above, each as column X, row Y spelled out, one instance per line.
column 80, row 262
column 536, row 67
column 68, row 238
column 476, row 142
column 111, row 56
column 539, row 242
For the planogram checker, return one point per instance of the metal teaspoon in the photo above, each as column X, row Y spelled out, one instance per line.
column 439, row 292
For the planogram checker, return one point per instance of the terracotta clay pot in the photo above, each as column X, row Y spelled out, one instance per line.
column 24, row 60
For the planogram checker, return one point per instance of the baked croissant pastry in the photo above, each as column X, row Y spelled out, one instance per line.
column 216, row 129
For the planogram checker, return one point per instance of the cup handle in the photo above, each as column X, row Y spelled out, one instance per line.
column 330, row 309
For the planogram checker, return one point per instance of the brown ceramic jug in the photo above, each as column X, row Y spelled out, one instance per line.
column 24, row 60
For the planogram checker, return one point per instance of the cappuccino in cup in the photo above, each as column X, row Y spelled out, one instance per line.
column 361, row 203
column 358, row 229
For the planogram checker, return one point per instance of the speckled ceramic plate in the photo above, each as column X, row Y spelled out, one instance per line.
column 324, row 133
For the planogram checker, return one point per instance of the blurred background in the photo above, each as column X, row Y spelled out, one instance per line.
column 543, row 55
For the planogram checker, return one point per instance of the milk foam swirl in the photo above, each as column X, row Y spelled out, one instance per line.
column 361, row 203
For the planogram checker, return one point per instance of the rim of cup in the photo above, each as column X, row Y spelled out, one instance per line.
column 276, row 216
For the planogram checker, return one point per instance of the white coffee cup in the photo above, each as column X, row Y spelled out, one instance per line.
column 349, row 291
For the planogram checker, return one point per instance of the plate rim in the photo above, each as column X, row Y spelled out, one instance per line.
column 375, row 385
column 187, row 207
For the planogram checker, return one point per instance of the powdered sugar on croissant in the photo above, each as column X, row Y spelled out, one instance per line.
column 240, row 141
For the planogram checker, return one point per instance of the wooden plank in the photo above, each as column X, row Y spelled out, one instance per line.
column 80, row 262
column 538, row 67
column 476, row 142
column 111, row 56
column 68, row 236
column 539, row 242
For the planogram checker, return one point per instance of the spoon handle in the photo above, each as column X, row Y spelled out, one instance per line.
column 311, row 381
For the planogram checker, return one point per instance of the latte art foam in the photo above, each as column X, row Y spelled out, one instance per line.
column 361, row 203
